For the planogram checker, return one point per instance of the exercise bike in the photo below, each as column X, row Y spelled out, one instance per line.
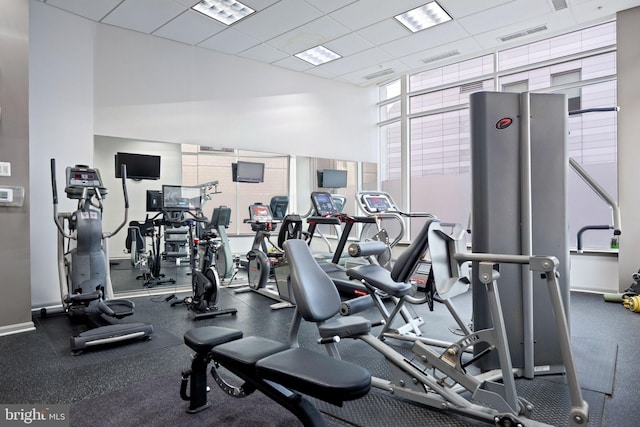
column 225, row 263
column 204, row 276
column 83, row 270
column 265, row 263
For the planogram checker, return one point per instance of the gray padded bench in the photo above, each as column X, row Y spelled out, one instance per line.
column 280, row 372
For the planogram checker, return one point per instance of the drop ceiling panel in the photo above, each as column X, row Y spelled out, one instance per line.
column 553, row 22
column 364, row 13
column 278, row 19
column 327, row 6
column 459, row 9
column 359, row 77
column 143, row 15
column 467, row 47
column 191, row 28
column 309, row 35
column 510, row 13
column 349, row 44
column 263, row 53
column 432, row 37
column 588, row 11
column 357, row 61
column 92, row 9
column 230, row 41
column 293, row 63
column 383, row 31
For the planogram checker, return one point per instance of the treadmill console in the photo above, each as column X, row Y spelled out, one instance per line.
column 260, row 213
column 378, row 203
column 323, row 203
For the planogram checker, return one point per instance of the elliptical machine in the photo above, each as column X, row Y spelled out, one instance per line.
column 83, row 270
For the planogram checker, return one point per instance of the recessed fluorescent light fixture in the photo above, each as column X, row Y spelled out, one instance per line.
column 225, row 11
column 423, row 17
column 317, row 55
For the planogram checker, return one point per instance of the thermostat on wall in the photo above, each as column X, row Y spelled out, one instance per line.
column 11, row 196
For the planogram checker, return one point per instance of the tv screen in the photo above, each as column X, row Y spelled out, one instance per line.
column 332, row 178
column 178, row 198
column 247, row 172
column 139, row 166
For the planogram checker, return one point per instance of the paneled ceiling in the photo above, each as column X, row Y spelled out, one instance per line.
column 374, row 46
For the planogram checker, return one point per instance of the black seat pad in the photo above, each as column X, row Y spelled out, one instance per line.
column 203, row 339
column 316, row 374
column 379, row 277
column 244, row 353
column 345, row 327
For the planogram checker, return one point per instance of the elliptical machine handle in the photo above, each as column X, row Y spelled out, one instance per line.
column 124, row 186
column 126, row 201
column 54, row 185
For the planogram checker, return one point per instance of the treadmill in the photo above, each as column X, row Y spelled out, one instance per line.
column 326, row 213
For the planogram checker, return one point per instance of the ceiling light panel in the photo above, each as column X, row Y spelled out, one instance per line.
column 318, row 55
column 423, row 17
column 225, row 11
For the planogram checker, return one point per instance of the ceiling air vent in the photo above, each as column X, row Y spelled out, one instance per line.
column 379, row 74
column 442, row 56
column 559, row 4
column 523, row 33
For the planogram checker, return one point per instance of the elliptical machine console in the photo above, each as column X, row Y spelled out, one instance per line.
column 85, row 282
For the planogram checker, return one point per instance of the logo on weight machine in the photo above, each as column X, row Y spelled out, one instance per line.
column 504, row 123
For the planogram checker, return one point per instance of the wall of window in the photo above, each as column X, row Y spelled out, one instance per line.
column 581, row 65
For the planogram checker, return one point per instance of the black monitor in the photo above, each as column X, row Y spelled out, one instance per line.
column 332, row 178
column 139, row 166
column 323, row 203
column 179, row 198
column 154, row 201
column 221, row 216
column 247, row 172
column 279, row 206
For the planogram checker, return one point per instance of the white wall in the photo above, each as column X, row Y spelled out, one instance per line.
column 150, row 88
column 60, row 127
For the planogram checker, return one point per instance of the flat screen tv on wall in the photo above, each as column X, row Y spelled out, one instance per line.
column 332, row 178
column 139, row 166
column 247, row 172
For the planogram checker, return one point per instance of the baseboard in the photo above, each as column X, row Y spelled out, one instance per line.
column 17, row 328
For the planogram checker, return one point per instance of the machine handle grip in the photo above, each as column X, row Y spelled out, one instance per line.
column 124, row 185
column 54, row 185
